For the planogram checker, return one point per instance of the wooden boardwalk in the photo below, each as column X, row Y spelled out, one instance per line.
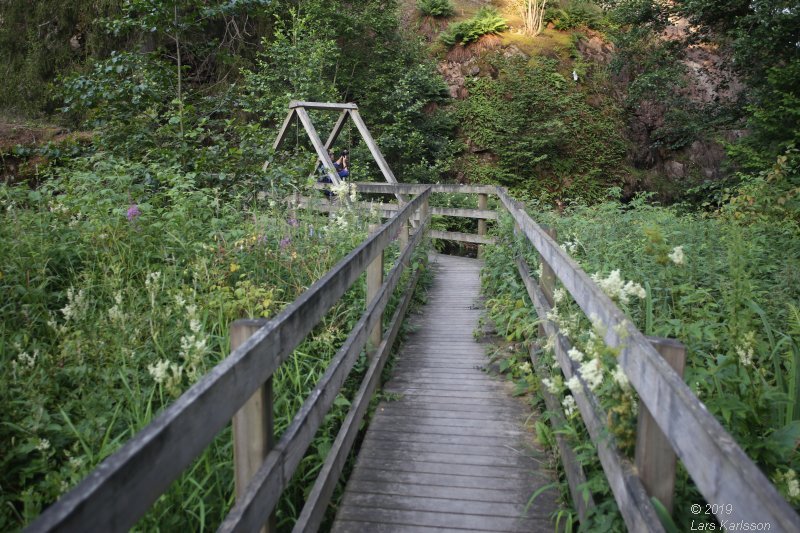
column 451, row 453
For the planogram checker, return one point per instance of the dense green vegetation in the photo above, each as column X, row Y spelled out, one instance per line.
column 123, row 270
column 436, row 8
column 546, row 140
column 124, row 259
column 120, row 297
column 720, row 287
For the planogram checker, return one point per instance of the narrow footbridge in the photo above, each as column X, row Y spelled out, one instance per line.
column 448, row 448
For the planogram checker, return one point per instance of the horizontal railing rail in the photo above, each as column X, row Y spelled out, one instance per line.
column 123, row 487
column 717, row 464
column 387, row 209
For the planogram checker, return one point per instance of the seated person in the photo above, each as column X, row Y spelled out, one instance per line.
column 341, row 166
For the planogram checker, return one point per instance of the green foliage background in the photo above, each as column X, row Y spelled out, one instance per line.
column 547, row 140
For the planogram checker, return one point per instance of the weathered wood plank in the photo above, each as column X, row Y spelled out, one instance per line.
column 440, row 438
column 253, row 428
column 314, row 509
column 463, row 237
column 379, row 446
column 576, row 478
column 352, row 526
column 435, row 519
column 654, row 457
column 436, row 504
column 716, row 463
column 430, row 491
column 459, row 440
column 316, row 142
column 416, row 188
column 321, row 105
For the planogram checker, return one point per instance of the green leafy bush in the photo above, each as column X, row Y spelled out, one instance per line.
column 486, row 21
column 436, row 8
column 541, row 136
column 576, row 15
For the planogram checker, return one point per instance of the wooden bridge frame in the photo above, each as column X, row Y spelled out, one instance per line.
column 115, row 495
column 300, row 109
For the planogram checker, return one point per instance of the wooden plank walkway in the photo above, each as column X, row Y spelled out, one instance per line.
column 452, row 453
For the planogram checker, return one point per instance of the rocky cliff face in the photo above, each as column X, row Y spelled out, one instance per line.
column 708, row 80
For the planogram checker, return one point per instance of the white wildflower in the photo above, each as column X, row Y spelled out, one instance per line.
column 745, row 355
column 551, row 385
column 620, row 378
column 200, row 346
column 525, row 367
column 159, row 371
column 635, row 289
column 27, row 360
column 550, row 344
column 43, row 445
column 676, row 256
column 76, row 305
column 575, row 354
column 151, row 281
column 116, row 314
column 794, row 488
column 179, row 300
column 194, row 325
column 76, row 462
column 539, row 271
column 592, row 373
column 574, row 384
column 569, row 405
column 612, row 285
column 187, row 341
column 558, row 295
column 745, row 351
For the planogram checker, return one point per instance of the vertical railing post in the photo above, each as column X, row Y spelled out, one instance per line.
column 252, row 424
column 483, row 203
column 655, row 458
column 374, row 282
column 295, row 205
column 547, row 281
column 402, row 238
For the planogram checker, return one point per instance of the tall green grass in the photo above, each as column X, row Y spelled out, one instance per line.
column 117, row 294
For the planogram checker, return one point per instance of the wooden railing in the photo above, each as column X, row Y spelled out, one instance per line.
column 119, row 491
column 387, row 209
column 122, row 488
column 724, row 475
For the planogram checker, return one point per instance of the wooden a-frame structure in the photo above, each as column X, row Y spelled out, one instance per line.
column 300, row 110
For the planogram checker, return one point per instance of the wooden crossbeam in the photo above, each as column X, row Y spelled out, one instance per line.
column 294, row 104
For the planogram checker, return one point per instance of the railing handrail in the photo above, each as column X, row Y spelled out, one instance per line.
column 124, row 486
column 719, row 467
column 415, row 188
